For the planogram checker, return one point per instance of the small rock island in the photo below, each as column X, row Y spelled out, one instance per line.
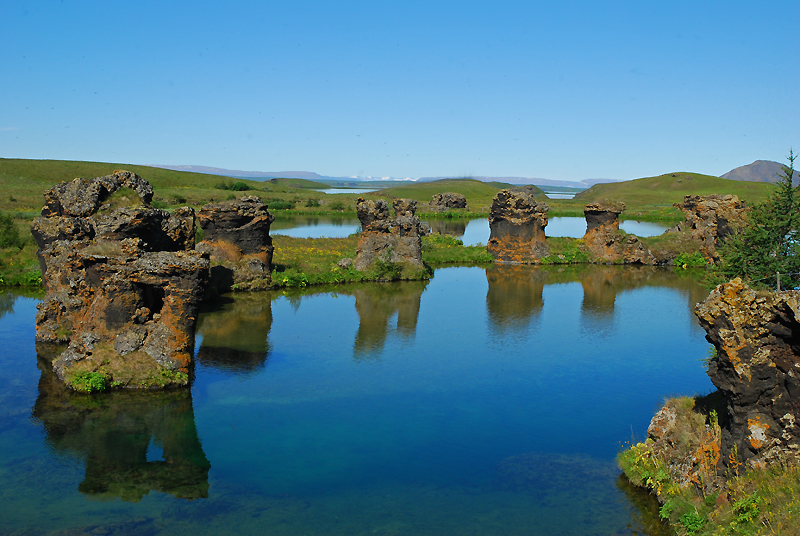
column 123, row 284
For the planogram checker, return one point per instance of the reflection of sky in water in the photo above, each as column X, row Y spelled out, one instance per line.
column 643, row 228
column 488, row 401
column 347, row 190
column 321, row 230
column 477, row 232
column 559, row 195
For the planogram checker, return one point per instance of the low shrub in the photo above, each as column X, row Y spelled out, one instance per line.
column 690, row 260
column 88, row 382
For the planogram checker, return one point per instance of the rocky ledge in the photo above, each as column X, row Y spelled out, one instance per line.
column 123, row 284
column 756, row 335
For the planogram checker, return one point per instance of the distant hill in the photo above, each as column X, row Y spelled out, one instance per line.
column 353, row 181
column 759, row 171
column 670, row 188
column 256, row 175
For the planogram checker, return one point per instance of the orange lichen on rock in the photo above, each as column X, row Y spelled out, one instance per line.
column 757, row 369
column 123, row 284
column 517, row 223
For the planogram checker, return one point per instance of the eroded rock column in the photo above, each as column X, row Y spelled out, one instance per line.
column 606, row 242
column 710, row 219
column 517, row 223
column 123, row 283
column 236, row 237
column 395, row 241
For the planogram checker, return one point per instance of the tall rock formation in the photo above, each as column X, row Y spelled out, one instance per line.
column 395, row 241
column 123, row 284
column 236, row 237
column 757, row 368
column 709, row 219
column 517, row 223
column 606, row 242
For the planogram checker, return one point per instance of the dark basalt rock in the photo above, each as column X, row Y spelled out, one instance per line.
column 82, row 197
column 602, row 216
column 710, row 218
column 517, row 223
column 123, row 284
column 448, row 200
column 238, row 242
column 391, row 241
column 242, row 222
column 606, row 242
column 757, row 369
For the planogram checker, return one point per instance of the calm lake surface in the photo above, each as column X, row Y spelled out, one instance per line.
column 486, row 401
column 471, row 232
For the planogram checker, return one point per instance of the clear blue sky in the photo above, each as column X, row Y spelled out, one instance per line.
column 558, row 90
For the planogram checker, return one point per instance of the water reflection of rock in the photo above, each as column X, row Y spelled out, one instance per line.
column 236, row 333
column 116, row 433
column 448, row 227
column 515, row 292
column 514, row 295
column 7, row 300
column 377, row 304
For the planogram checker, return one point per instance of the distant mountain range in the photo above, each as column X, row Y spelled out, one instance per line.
column 239, row 174
column 312, row 176
column 759, row 171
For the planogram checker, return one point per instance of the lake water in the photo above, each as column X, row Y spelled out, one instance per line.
column 469, row 231
column 486, row 401
column 346, row 190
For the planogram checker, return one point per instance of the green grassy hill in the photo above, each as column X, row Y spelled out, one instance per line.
column 298, row 183
column 479, row 194
column 24, row 181
column 671, row 188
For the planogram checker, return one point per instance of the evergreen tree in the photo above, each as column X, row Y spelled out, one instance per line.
column 9, row 237
column 769, row 243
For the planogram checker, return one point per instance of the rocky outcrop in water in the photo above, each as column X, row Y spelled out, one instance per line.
column 517, row 223
column 756, row 335
column 236, row 237
column 445, row 201
column 123, row 284
column 395, row 244
column 606, row 243
column 710, row 218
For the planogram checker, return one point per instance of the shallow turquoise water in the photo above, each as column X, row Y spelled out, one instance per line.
column 486, row 401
